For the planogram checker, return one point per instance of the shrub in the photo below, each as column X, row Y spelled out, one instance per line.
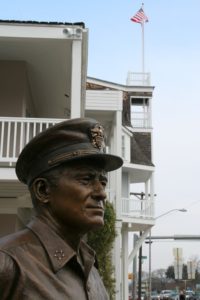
column 102, row 242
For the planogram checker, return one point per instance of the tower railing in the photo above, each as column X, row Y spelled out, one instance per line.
column 138, row 78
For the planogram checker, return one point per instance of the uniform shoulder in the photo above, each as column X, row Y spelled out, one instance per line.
column 7, row 263
column 14, row 239
column 11, row 277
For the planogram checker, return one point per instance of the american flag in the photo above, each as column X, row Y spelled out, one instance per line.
column 140, row 17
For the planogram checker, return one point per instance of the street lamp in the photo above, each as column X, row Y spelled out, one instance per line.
column 150, row 242
column 171, row 210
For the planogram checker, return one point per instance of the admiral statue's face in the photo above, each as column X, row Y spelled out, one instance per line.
column 77, row 200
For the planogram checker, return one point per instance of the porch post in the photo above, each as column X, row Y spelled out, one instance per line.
column 125, row 261
column 75, row 96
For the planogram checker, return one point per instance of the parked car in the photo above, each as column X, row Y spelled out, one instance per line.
column 174, row 295
column 155, row 295
column 197, row 295
column 189, row 295
column 165, row 294
column 143, row 295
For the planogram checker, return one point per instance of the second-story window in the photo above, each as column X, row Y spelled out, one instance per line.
column 140, row 113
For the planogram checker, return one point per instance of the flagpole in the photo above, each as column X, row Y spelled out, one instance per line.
column 143, row 66
column 141, row 18
column 142, row 25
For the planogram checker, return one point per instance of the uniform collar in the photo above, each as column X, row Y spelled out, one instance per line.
column 59, row 252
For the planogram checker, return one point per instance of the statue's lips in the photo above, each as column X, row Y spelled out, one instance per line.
column 95, row 208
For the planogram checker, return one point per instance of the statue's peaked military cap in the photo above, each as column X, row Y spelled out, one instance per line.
column 69, row 140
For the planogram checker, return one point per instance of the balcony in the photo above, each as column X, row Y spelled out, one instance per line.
column 140, row 120
column 137, row 208
column 138, row 79
column 15, row 133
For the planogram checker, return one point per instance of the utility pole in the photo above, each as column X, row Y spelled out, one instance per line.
column 135, row 277
column 150, row 283
column 141, row 197
column 140, row 272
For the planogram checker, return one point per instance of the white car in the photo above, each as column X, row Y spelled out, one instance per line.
column 165, row 294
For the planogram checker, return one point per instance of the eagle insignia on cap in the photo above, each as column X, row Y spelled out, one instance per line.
column 97, row 133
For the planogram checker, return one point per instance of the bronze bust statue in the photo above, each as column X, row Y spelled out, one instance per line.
column 65, row 169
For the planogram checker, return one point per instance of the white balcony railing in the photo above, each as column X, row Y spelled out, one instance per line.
column 15, row 133
column 138, row 79
column 137, row 208
column 140, row 120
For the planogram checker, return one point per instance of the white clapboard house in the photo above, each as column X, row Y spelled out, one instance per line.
column 43, row 81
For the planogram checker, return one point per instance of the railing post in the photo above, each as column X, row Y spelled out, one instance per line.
column 137, row 208
column 15, row 133
column 2, row 139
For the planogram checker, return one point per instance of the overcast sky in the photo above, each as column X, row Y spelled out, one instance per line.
column 172, row 50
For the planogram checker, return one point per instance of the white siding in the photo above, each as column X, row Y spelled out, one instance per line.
column 104, row 100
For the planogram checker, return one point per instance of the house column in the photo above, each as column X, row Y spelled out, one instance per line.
column 117, row 260
column 76, row 79
column 125, row 262
column 152, row 194
column 118, row 151
column 150, row 113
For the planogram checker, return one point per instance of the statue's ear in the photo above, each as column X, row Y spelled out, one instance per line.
column 41, row 189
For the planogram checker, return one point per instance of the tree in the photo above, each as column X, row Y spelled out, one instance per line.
column 102, row 242
column 158, row 279
column 185, row 273
column 159, row 273
column 196, row 260
column 170, row 272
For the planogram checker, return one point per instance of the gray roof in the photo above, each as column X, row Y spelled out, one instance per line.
column 82, row 24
